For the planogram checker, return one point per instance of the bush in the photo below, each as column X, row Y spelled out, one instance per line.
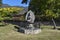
column 8, row 12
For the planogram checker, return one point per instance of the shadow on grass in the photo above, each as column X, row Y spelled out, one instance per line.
column 16, row 27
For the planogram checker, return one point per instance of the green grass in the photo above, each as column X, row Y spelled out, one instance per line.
column 8, row 32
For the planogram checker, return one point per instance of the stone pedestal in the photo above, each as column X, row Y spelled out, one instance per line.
column 30, row 31
column 34, row 31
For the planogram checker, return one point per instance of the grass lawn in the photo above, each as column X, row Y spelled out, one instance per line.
column 8, row 32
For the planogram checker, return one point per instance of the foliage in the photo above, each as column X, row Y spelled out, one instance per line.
column 8, row 12
column 0, row 2
column 46, row 8
column 49, row 14
column 24, row 1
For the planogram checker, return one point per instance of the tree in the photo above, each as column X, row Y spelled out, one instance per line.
column 39, row 6
column 49, row 9
column 51, row 15
column 24, row 1
column 0, row 2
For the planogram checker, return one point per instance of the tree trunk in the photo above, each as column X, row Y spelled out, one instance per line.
column 54, row 23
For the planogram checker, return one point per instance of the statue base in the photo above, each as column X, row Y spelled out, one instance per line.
column 30, row 29
column 34, row 31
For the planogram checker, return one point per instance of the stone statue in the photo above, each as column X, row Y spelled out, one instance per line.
column 30, row 28
column 30, row 17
